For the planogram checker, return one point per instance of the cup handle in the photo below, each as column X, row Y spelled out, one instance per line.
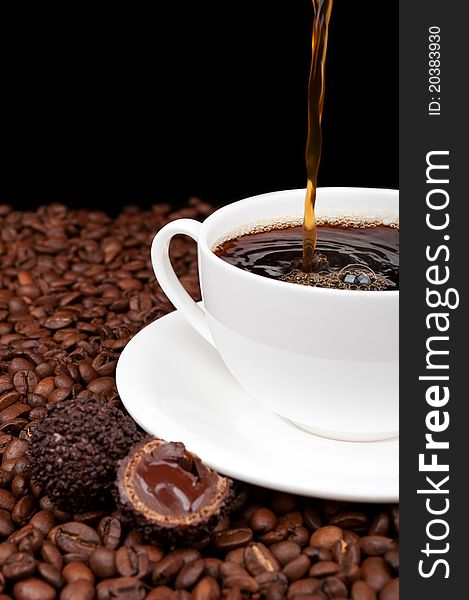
column 168, row 279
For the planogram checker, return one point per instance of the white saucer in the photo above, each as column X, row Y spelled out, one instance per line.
column 175, row 385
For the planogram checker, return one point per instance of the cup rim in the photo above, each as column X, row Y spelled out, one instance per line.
column 275, row 283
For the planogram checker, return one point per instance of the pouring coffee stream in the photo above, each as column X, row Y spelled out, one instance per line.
column 316, row 91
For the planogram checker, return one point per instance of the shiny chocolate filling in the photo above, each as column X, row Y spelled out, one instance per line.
column 169, row 481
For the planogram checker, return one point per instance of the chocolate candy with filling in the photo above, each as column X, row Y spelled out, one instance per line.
column 169, row 493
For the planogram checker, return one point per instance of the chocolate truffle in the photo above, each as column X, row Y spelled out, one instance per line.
column 75, row 450
column 169, row 494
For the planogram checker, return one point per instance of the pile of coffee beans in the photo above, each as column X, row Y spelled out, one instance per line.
column 75, row 286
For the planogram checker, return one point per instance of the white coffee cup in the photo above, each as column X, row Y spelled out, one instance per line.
column 325, row 359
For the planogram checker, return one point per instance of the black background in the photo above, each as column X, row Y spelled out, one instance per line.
column 160, row 102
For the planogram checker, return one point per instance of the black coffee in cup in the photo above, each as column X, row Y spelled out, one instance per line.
column 351, row 254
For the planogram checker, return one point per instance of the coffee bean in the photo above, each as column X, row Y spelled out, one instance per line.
column 259, row 559
column 354, row 520
column 212, row 567
column 104, row 368
column 276, row 535
column 78, row 590
column 269, row 578
column 101, row 385
column 87, row 373
column 300, row 535
column 334, row 588
column 17, row 306
column 33, row 589
column 44, row 520
column 346, row 554
column 111, row 248
column 292, row 519
column 376, row 572
column 121, row 587
column 75, row 538
column 58, row 321
column 324, row 568
column 63, row 380
column 376, row 545
column 263, row 520
column 19, row 565
column 236, row 556
column 20, row 364
column 17, row 426
column 75, row 571
column 362, row 591
column 390, row 591
column 59, row 394
column 206, row 589
column 190, row 574
column 44, row 369
column 25, row 381
column 24, row 510
column 131, row 562
column 326, row 537
column 233, row 594
column 187, row 554
column 231, row 538
column 51, row 575
column 8, row 398
column 13, row 412
column 230, row 568
column 45, row 387
column 51, row 555
column 19, row 486
column 303, row 587
column 311, row 518
column 285, row 551
column 6, row 524
column 110, row 531
column 165, row 570
column 15, row 449
column 282, row 503
column 380, row 525
column 297, row 568
column 103, row 563
column 162, row 592
column 6, row 550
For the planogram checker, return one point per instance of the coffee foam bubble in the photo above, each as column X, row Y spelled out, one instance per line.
column 352, row 277
column 358, row 220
